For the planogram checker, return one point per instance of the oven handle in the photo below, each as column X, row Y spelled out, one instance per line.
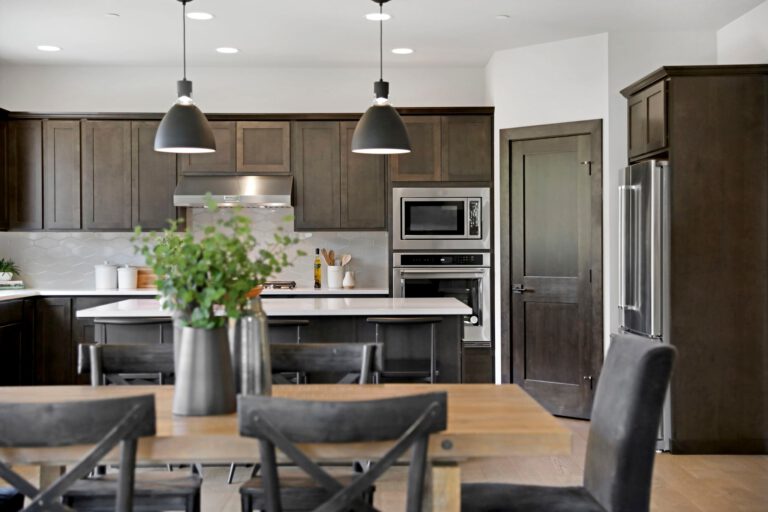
column 444, row 273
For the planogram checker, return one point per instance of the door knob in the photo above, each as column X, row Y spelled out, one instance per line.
column 518, row 288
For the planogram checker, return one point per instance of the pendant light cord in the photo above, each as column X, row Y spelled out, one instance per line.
column 184, row 35
column 381, row 42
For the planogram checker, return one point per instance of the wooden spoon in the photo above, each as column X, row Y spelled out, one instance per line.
column 332, row 255
column 346, row 259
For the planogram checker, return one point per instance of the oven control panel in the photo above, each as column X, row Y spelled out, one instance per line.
column 437, row 260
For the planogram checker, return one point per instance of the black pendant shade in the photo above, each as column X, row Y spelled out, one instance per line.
column 381, row 130
column 184, row 129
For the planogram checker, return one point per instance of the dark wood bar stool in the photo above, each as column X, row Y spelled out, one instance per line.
column 101, row 423
column 281, row 423
column 156, row 490
column 408, row 368
column 298, row 323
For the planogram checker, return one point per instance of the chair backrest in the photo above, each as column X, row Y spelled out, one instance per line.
column 103, row 423
column 347, row 358
column 106, row 361
column 625, row 422
column 279, row 423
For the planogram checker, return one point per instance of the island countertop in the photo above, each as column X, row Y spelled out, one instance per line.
column 342, row 306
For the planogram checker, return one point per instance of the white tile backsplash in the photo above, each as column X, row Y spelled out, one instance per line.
column 66, row 260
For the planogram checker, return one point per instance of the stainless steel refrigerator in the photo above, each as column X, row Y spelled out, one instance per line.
column 644, row 259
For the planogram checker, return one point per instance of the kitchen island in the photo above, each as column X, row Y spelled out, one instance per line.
column 343, row 319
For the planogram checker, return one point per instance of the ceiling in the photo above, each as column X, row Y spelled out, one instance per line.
column 330, row 32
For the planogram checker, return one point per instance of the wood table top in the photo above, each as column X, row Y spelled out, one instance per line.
column 484, row 420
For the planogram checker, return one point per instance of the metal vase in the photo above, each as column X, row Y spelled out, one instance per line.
column 249, row 343
column 204, row 381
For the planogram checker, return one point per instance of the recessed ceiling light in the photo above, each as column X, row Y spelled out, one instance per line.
column 502, row 16
column 200, row 16
column 377, row 16
column 227, row 49
column 112, row 15
column 403, row 51
column 48, row 48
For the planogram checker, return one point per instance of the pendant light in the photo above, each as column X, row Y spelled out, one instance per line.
column 184, row 129
column 381, row 130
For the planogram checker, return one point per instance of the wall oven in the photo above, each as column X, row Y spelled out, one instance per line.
column 464, row 276
column 441, row 218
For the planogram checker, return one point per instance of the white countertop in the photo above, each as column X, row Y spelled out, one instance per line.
column 343, row 306
column 151, row 292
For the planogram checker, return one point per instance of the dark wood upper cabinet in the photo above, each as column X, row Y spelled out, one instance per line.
column 423, row 163
column 316, row 165
column 264, row 147
column 106, row 174
column 224, row 159
column 25, row 174
column 467, row 148
column 647, row 113
column 61, row 174
column 153, row 179
column 363, row 186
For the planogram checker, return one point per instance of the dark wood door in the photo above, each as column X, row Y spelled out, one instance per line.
column 423, row 163
column 61, row 174
column 25, row 174
column 363, row 186
column 647, row 113
column 551, row 296
column 467, row 148
column 53, row 342
column 264, row 147
column 316, row 166
column 153, row 179
column 224, row 159
column 106, row 174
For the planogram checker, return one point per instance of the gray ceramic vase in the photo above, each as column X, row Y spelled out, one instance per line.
column 204, row 379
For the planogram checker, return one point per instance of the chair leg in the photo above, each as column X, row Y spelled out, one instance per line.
column 231, row 475
column 255, row 470
column 245, row 503
column 432, row 354
column 197, row 468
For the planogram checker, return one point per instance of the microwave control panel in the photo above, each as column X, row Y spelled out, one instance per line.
column 474, row 218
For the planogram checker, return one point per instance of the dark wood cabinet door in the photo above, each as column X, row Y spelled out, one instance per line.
column 467, row 148
column 53, row 341
column 3, row 176
column 647, row 116
column 61, row 174
column 423, row 163
column 363, row 186
column 316, row 153
column 25, row 174
column 264, row 147
column 477, row 365
column 106, row 174
column 224, row 159
column 12, row 364
column 153, row 179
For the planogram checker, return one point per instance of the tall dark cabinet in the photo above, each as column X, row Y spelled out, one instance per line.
column 711, row 124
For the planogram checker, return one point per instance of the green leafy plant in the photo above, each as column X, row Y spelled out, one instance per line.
column 197, row 274
column 8, row 266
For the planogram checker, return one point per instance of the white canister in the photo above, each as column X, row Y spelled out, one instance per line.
column 335, row 276
column 349, row 279
column 106, row 276
column 127, row 277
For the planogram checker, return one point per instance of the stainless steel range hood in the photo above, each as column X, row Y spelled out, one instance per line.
column 233, row 190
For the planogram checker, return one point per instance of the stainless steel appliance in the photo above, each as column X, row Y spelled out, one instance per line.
column 229, row 190
column 441, row 218
column 644, row 258
column 464, row 276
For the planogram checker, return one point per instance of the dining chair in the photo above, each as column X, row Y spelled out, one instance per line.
column 356, row 361
column 154, row 490
column 280, row 424
column 11, row 500
column 620, row 448
column 102, row 423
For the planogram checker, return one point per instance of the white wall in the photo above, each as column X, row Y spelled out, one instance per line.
column 745, row 39
column 221, row 89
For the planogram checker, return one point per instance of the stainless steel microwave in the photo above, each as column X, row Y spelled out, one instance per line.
column 441, row 218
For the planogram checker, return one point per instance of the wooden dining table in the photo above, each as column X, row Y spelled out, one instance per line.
column 484, row 421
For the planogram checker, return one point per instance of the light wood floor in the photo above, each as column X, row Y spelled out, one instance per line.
column 681, row 483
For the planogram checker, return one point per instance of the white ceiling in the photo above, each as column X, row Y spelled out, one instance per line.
column 329, row 32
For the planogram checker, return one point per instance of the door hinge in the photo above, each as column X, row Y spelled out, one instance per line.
column 588, row 379
column 588, row 163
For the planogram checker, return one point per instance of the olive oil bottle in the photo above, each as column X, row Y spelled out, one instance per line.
column 318, row 269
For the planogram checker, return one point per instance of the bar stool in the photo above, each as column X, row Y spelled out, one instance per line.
column 289, row 322
column 406, row 368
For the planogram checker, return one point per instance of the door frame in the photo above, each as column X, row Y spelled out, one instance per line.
column 593, row 128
